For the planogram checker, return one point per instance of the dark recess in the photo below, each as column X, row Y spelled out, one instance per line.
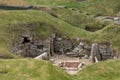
column 26, row 40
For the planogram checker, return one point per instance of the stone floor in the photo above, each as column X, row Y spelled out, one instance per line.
column 57, row 59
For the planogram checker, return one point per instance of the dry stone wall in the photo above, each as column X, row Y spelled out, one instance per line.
column 29, row 47
column 96, row 51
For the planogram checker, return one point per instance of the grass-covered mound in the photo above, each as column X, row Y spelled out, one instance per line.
column 96, row 7
column 51, row 3
column 103, row 7
column 29, row 69
column 108, row 70
column 13, row 23
column 78, row 19
column 14, row 2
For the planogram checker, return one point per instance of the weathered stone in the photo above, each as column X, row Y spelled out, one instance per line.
column 78, row 39
column 33, row 47
column 76, row 50
column 87, row 47
column 59, row 39
column 105, row 51
column 61, row 6
column 81, row 44
column 43, row 56
column 52, row 61
column 86, row 56
column 95, row 52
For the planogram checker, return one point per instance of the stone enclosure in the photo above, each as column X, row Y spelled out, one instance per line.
column 30, row 46
column 70, row 55
column 101, row 51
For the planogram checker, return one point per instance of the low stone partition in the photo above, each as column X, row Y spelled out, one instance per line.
column 8, row 7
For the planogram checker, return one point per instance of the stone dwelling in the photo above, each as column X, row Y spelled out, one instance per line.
column 28, row 46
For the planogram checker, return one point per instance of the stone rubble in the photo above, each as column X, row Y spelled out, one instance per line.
column 96, row 51
column 62, row 45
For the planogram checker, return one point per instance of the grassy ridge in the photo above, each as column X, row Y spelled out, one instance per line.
column 78, row 19
column 108, row 70
column 13, row 2
column 30, row 69
column 96, row 7
column 102, row 7
column 8, row 25
column 51, row 3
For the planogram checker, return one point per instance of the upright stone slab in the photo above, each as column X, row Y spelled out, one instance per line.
column 95, row 52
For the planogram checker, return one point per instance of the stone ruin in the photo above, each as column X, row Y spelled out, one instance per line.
column 28, row 46
column 102, row 52
column 95, row 51
column 62, row 46
column 71, row 55
column 80, row 50
column 71, row 48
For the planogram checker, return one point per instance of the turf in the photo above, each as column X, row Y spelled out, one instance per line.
column 29, row 69
column 14, row 2
column 108, row 70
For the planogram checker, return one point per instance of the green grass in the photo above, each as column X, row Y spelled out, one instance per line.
column 96, row 7
column 108, row 70
column 51, row 3
column 78, row 19
column 13, row 2
column 29, row 69
column 101, row 7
